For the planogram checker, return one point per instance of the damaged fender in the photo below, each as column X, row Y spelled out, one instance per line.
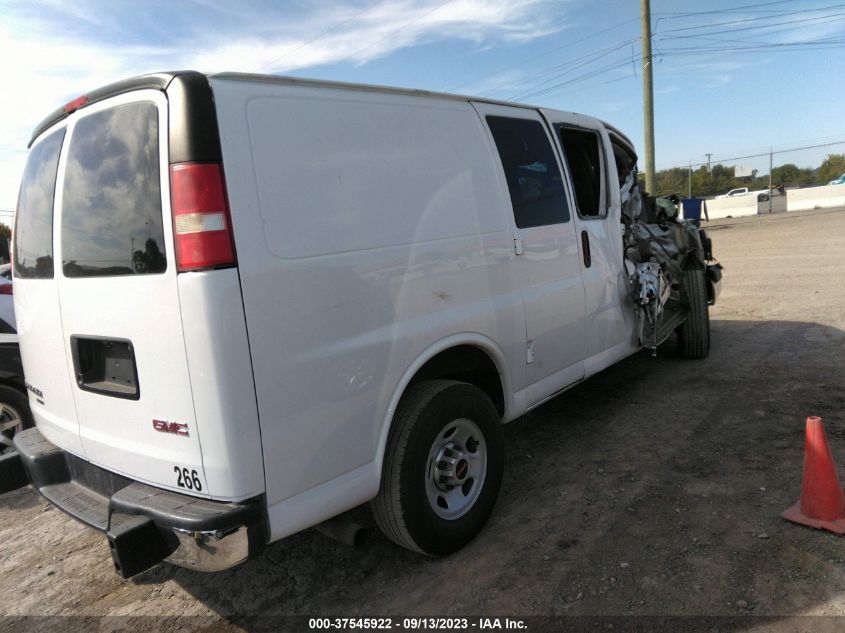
column 659, row 248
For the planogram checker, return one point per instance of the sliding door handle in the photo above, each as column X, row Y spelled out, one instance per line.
column 585, row 248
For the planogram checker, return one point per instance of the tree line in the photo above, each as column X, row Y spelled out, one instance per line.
column 720, row 178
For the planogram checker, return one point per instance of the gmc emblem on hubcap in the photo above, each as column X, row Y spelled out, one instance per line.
column 176, row 428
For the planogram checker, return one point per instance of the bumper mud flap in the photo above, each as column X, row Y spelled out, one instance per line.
column 12, row 473
column 713, row 274
column 136, row 544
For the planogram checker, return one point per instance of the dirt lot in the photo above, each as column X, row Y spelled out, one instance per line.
column 653, row 489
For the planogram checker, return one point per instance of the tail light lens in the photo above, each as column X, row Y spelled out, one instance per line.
column 202, row 227
column 73, row 106
column 6, row 289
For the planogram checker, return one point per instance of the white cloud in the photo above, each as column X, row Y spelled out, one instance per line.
column 387, row 26
column 45, row 62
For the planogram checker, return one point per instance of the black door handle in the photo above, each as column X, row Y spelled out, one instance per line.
column 585, row 247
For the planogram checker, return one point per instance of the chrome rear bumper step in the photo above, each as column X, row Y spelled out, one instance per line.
column 143, row 524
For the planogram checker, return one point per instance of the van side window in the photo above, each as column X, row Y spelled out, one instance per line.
column 584, row 159
column 34, row 224
column 111, row 206
column 532, row 173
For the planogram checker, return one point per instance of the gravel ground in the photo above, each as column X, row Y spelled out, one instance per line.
column 653, row 489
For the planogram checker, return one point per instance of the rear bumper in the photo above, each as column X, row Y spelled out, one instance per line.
column 144, row 525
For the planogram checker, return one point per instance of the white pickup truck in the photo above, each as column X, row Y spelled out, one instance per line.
column 762, row 195
column 734, row 193
column 247, row 304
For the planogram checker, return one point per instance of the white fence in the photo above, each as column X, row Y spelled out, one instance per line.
column 734, row 207
column 815, row 197
column 823, row 197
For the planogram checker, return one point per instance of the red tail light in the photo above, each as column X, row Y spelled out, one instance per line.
column 202, row 229
column 73, row 106
column 7, row 289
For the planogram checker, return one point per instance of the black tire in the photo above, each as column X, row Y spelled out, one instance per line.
column 694, row 333
column 402, row 508
column 14, row 403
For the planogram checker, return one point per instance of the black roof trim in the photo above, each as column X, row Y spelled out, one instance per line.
column 194, row 135
column 193, row 132
column 157, row 81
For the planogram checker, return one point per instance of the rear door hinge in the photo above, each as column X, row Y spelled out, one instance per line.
column 529, row 353
column 517, row 246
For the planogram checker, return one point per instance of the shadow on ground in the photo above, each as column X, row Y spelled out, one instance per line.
column 654, row 488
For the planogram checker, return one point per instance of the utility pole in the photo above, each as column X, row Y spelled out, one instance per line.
column 770, row 179
column 708, row 162
column 648, row 96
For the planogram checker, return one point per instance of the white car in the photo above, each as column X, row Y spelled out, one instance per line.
column 291, row 297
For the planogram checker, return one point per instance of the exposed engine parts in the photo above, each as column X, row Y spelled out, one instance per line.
column 659, row 247
column 652, row 290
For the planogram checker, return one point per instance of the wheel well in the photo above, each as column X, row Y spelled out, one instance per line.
column 468, row 364
column 13, row 383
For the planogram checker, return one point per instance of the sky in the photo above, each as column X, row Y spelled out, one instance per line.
column 731, row 77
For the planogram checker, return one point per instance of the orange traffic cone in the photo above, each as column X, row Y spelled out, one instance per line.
column 822, row 503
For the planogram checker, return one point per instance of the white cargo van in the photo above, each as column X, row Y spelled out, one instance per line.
column 247, row 304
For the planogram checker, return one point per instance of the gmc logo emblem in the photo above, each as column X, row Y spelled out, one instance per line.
column 176, row 428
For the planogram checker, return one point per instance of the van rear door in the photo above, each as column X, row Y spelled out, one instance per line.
column 118, row 306
column 37, row 313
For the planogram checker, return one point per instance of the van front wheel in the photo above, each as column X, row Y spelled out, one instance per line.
column 694, row 333
column 442, row 467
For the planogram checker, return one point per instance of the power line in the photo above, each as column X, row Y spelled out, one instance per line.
column 838, row 137
column 826, row 44
column 771, row 30
column 680, row 14
column 570, row 66
column 762, row 26
column 779, row 151
column 587, row 75
column 784, row 46
column 315, row 38
column 710, row 50
column 680, row 51
column 543, row 54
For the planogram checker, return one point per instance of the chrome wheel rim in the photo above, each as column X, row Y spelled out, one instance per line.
column 455, row 469
column 10, row 423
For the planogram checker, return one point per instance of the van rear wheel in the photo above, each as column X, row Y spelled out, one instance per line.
column 442, row 468
column 14, row 415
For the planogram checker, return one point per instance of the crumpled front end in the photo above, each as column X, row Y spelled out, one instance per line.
column 659, row 248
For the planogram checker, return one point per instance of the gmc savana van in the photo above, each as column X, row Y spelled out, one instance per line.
column 247, row 304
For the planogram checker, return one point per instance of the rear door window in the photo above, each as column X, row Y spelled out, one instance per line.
column 111, row 206
column 34, row 218
column 531, row 171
